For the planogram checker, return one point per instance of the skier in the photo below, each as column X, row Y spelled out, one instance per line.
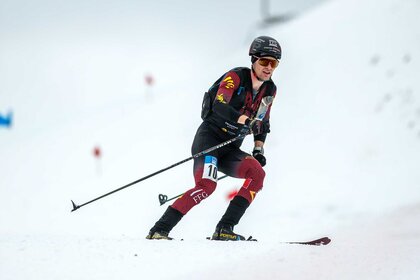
column 229, row 109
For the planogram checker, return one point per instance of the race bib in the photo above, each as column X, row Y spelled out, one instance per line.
column 210, row 168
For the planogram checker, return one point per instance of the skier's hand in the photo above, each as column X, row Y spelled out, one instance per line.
column 257, row 127
column 258, row 154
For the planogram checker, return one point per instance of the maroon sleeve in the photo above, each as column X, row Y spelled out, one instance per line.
column 262, row 137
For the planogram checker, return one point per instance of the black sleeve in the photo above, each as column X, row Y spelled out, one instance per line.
column 229, row 84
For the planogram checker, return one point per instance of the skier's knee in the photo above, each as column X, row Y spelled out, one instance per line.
column 257, row 174
column 203, row 189
column 206, row 186
column 251, row 169
column 254, row 175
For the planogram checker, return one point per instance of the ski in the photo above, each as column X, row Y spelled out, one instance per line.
column 248, row 239
column 316, row 242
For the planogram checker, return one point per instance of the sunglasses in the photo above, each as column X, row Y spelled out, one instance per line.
column 265, row 61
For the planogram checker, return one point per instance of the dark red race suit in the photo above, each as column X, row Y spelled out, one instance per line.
column 233, row 97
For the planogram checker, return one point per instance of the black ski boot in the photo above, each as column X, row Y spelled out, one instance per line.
column 225, row 233
column 165, row 224
column 158, row 235
column 234, row 212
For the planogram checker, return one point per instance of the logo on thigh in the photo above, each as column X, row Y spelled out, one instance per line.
column 199, row 195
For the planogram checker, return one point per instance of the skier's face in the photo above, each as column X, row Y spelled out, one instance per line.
column 264, row 67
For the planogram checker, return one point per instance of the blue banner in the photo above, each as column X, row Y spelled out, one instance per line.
column 6, row 120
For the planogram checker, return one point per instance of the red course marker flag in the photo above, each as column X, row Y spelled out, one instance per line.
column 97, row 152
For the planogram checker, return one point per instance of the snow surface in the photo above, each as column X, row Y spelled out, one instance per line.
column 343, row 155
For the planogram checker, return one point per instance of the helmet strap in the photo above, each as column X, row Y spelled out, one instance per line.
column 255, row 74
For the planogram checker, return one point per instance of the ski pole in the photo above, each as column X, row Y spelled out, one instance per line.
column 163, row 198
column 240, row 136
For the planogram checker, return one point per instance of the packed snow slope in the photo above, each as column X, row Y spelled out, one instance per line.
column 343, row 156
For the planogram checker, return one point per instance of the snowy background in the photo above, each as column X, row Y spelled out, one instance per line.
column 343, row 156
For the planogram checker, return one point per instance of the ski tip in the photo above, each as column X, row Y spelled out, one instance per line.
column 316, row 242
column 325, row 240
column 75, row 207
column 321, row 241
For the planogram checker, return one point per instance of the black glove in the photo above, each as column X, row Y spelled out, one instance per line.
column 257, row 127
column 258, row 154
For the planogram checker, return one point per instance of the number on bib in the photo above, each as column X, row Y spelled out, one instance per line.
column 210, row 168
